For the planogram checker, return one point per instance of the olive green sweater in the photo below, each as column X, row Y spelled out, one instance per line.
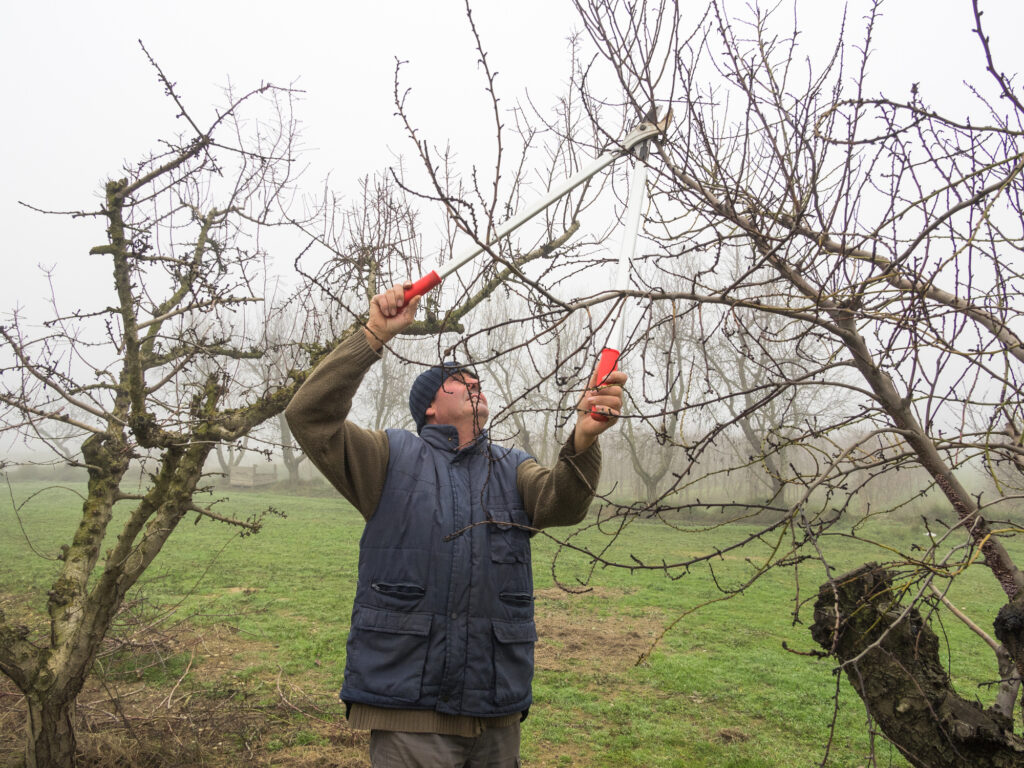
column 355, row 461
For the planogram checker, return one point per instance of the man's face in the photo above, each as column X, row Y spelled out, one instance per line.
column 459, row 402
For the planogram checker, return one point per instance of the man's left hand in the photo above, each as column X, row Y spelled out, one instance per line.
column 603, row 399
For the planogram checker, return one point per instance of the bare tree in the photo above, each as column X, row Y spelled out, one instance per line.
column 381, row 229
column 530, row 368
column 753, row 359
column 515, row 293
column 886, row 233
column 230, row 456
column 164, row 374
column 285, row 334
column 145, row 379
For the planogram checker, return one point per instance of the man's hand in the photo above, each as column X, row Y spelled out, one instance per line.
column 390, row 315
column 605, row 400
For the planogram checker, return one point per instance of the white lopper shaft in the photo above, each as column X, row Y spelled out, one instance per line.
column 627, row 246
column 642, row 132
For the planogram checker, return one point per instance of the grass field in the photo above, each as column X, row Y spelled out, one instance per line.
column 252, row 631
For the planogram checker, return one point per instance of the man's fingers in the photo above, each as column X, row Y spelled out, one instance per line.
column 608, row 393
column 601, row 399
column 614, row 379
column 383, row 305
column 605, row 409
column 394, row 297
column 601, row 410
column 611, row 397
column 392, row 301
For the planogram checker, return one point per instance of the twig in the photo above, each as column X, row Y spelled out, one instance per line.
column 170, row 696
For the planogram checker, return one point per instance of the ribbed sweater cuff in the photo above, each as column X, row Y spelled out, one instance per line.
column 586, row 463
column 358, row 348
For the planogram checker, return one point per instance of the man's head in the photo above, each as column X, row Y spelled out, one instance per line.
column 448, row 394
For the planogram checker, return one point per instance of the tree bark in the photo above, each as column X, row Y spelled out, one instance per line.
column 894, row 666
column 51, row 737
column 1009, row 627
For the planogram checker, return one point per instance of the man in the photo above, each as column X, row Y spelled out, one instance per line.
column 440, row 651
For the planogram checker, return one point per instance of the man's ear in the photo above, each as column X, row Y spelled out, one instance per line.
column 431, row 412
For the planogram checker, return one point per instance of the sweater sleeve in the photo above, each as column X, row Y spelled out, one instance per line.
column 560, row 495
column 354, row 460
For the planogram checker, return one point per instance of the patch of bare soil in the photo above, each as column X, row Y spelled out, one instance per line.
column 570, row 636
column 731, row 736
column 203, row 696
column 206, row 707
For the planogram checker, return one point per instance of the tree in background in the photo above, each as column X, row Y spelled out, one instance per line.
column 659, row 396
column 229, row 457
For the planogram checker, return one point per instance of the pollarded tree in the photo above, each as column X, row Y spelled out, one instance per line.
column 147, row 379
column 160, row 371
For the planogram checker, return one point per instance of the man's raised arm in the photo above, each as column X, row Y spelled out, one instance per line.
column 353, row 459
column 561, row 495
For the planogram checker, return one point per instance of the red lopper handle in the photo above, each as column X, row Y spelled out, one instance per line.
column 422, row 285
column 608, row 362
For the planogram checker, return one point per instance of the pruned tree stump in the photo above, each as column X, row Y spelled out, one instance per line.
column 895, row 668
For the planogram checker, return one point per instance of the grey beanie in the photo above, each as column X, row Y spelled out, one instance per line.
column 424, row 389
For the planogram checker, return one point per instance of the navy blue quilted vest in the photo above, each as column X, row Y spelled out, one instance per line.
column 443, row 614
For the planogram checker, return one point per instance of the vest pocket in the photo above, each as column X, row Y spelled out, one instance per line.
column 513, row 659
column 401, row 596
column 509, row 543
column 402, row 591
column 387, row 652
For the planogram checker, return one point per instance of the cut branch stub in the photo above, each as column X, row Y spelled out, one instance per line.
column 893, row 664
column 1009, row 629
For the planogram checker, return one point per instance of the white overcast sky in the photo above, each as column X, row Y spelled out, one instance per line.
column 79, row 97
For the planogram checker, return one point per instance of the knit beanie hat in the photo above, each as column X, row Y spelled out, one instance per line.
column 424, row 389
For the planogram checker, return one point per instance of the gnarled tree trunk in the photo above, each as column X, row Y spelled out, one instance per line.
column 51, row 736
column 894, row 666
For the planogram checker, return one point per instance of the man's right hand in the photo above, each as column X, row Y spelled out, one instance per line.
column 389, row 315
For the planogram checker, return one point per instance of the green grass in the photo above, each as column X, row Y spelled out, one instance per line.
column 719, row 690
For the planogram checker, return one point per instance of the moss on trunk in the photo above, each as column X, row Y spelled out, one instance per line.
column 891, row 658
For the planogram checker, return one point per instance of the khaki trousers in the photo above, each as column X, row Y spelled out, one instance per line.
column 493, row 748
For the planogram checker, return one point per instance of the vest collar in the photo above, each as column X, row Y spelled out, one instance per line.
column 445, row 437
